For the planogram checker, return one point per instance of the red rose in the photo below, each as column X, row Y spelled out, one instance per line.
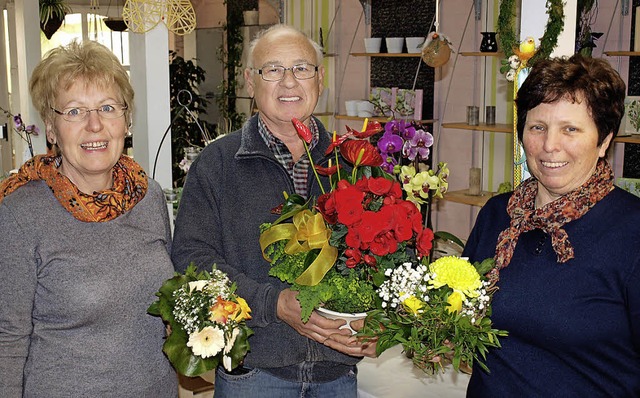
column 327, row 207
column 380, row 185
column 348, row 203
column 424, row 242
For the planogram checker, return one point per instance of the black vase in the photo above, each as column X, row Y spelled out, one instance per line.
column 489, row 43
column 52, row 25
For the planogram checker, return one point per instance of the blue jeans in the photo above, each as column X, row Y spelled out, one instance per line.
column 258, row 383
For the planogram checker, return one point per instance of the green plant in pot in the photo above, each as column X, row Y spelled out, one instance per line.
column 184, row 78
column 52, row 13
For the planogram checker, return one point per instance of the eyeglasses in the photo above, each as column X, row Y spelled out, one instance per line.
column 275, row 73
column 78, row 114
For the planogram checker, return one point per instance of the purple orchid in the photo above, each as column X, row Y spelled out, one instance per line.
column 401, row 128
column 390, row 143
column 389, row 163
column 418, row 146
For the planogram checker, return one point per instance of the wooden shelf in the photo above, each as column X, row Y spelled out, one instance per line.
column 480, row 54
column 622, row 53
column 389, row 55
column 628, row 139
column 497, row 128
column 379, row 119
column 463, row 197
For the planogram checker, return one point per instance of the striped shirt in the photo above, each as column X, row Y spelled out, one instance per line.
column 298, row 171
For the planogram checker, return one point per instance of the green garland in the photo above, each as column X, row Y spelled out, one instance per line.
column 506, row 29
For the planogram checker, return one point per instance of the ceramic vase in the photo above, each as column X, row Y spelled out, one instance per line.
column 489, row 43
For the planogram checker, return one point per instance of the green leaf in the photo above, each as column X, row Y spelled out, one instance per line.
column 448, row 236
column 485, row 266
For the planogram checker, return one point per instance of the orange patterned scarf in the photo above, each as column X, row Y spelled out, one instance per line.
column 551, row 217
column 129, row 187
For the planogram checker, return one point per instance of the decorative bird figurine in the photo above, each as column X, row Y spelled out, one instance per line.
column 527, row 49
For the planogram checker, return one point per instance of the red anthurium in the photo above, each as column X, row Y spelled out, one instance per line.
column 327, row 171
column 352, row 150
column 372, row 128
column 337, row 141
column 303, row 131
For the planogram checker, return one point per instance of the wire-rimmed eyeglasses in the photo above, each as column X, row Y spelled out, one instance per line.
column 78, row 114
column 275, row 73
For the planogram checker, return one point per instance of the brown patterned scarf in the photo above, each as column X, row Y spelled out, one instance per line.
column 129, row 187
column 551, row 217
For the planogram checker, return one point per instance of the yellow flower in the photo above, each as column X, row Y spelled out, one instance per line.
column 207, row 343
column 242, row 311
column 413, row 304
column 455, row 301
column 457, row 273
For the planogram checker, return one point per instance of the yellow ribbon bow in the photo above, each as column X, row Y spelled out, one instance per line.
column 307, row 232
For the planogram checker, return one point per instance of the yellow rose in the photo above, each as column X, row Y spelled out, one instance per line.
column 243, row 311
column 413, row 304
column 455, row 301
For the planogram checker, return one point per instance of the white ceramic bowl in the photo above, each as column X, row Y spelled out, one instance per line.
column 343, row 316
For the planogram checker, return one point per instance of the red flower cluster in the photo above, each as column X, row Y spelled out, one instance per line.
column 376, row 217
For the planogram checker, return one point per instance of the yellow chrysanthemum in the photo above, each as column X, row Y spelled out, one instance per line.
column 413, row 304
column 457, row 273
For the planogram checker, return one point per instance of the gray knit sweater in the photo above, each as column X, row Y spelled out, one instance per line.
column 73, row 319
column 230, row 190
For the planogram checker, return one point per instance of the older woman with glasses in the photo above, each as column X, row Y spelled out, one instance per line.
column 85, row 244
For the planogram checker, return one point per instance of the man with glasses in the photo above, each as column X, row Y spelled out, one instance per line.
column 231, row 189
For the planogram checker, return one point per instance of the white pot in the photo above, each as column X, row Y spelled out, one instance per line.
column 394, row 44
column 348, row 318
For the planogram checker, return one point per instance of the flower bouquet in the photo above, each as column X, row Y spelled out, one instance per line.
column 439, row 312
column 335, row 251
column 206, row 320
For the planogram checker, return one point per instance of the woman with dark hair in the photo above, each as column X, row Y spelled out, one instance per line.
column 85, row 244
column 566, row 244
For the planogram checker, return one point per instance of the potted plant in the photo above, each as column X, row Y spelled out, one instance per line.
column 52, row 13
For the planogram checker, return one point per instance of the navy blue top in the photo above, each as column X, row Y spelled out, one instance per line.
column 574, row 328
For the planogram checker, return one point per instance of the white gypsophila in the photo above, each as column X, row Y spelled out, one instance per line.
column 206, row 343
column 195, row 298
column 404, row 281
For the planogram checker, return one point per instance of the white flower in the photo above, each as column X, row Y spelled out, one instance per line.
column 511, row 75
column 226, row 359
column 197, row 285
column 208, row 342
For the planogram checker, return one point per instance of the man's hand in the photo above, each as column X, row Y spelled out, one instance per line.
column 323, row 330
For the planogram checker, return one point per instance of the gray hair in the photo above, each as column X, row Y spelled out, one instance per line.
column 285, row 28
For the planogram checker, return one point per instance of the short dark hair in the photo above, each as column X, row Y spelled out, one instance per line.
column 576, row 78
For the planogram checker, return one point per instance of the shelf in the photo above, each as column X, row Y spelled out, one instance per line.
column 480, row 54
column 463, row 197
column 497, row 128
column 389, row 55
column 622, row 53
column 379, row 119
column 628, row 139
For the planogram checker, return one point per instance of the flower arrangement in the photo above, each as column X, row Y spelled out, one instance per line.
column 206, row 320
column 336, row 250
column 24, row 131
column 439, row 312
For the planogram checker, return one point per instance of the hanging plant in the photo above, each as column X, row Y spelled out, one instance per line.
column 52, row 13
column 507, row 33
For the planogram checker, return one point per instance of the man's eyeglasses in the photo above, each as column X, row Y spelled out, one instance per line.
column 275, row 73
column 78, row 114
